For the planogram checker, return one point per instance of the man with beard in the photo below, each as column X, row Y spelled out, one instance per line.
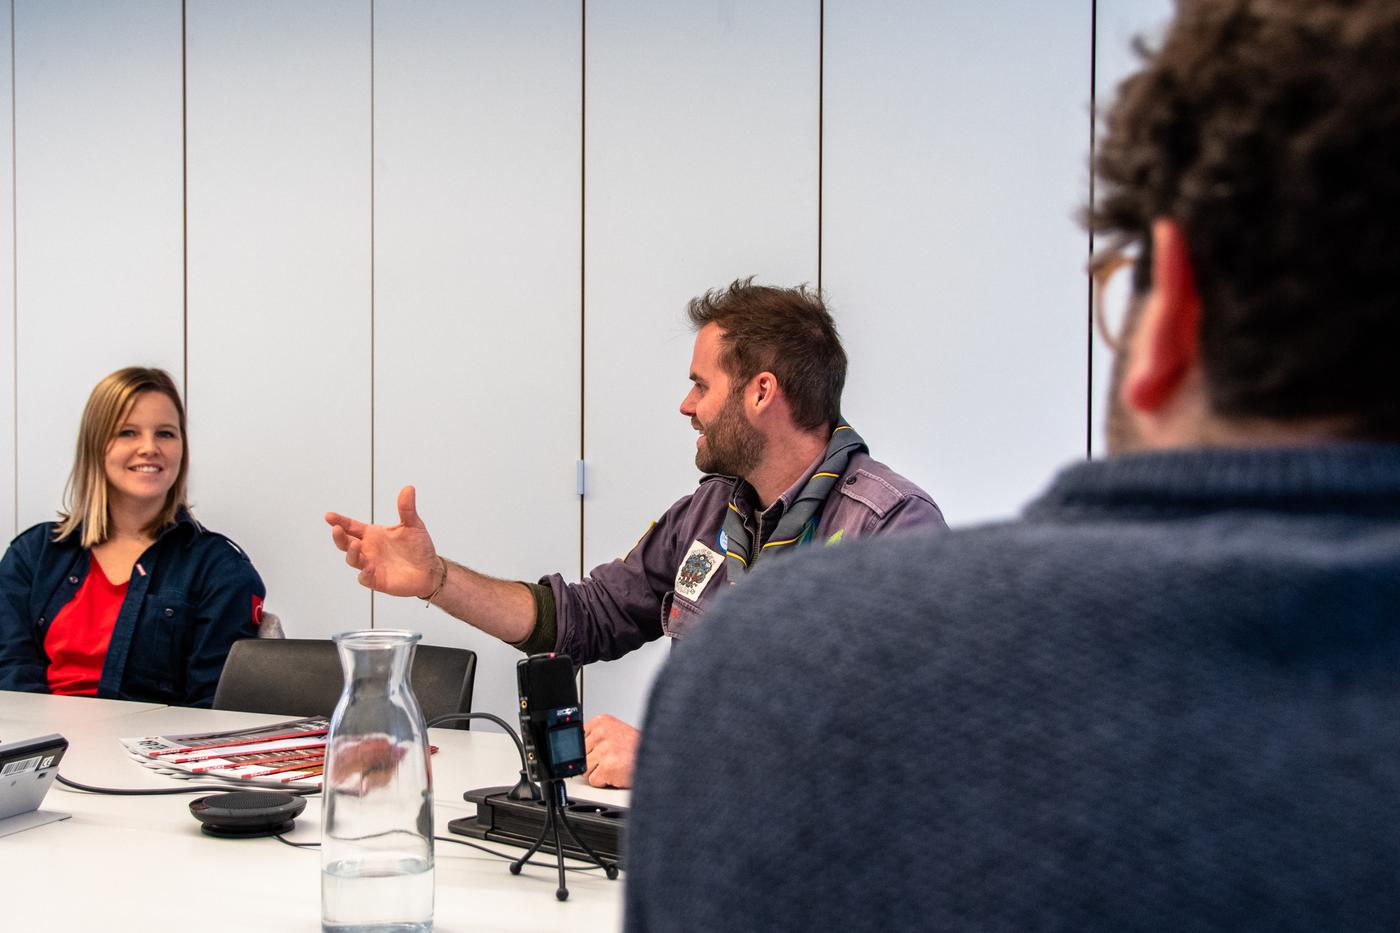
column 783, row 470
column 1165, row 698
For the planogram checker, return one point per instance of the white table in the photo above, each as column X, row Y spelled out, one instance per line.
column 41, row 708
column 141, row 863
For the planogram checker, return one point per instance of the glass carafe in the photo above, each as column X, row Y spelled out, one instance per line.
column 377, row 811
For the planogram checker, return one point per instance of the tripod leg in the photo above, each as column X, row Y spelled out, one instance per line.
column 519, row 863
column 609, row 868
column 557, row 817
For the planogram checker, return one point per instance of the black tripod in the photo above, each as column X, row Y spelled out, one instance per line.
column 556, row 800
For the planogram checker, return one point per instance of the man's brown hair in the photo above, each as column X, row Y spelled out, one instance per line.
column 1269, row 130
column 785, row 331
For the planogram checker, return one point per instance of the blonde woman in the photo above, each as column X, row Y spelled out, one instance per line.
column 126, row 596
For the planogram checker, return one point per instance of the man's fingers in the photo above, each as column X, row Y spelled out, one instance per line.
column 352, row 554
column 366, row 579
column 351, row 527
column 607, row 774
column 340, row 538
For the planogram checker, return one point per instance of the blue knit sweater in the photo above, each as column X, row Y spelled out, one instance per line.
column 1167, row 698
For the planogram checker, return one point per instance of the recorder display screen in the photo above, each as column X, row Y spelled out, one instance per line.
column 566, row 744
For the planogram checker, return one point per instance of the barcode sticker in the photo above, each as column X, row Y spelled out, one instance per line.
column 23, row 766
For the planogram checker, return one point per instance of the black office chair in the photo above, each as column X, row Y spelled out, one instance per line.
column 302, row 677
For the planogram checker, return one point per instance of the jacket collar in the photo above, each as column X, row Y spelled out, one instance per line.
column 1333, row 478
column 184, row 524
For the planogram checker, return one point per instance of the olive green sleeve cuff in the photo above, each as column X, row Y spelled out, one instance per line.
column 542, row 636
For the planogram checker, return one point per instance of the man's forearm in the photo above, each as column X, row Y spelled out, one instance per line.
column 503, row 608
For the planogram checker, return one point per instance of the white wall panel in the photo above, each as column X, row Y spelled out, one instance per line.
column 955, row 158
column 98, row 201
column 478, row 130
column 1117, row 24
column 7, row 282
column 701, row 167
column 279, row 290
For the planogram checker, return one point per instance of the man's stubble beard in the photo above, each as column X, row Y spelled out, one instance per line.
column 732, row 447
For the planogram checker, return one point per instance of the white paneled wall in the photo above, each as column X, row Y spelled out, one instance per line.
column 451, row 244
column 97, row 215
column 279, row 290
column 7, row 286
column 701, row 167
column 478, row 123
column 954, row 161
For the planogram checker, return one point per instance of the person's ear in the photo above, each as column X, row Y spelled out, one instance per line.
column 1165, row 345
column 763, row 392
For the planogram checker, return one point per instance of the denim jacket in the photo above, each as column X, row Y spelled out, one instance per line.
column 192, row 594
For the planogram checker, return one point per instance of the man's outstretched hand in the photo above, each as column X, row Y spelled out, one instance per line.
column 398, row 560
column 612, row 748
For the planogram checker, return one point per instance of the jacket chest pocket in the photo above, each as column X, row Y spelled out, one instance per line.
column 160, row 644
column 679, row 616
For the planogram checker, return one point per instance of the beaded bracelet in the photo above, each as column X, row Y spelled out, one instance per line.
column 428, row 600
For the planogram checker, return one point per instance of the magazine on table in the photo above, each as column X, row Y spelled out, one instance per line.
column 289, row 754
column 284, row 754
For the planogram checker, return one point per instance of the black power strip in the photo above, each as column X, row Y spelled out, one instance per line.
column 518, row 823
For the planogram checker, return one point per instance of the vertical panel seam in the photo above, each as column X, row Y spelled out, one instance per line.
column 582, row 269
column 821, row 130
column 582, row 254
column 184, row 205
column 14, row 260
column 372, row 373
column 1089, row 280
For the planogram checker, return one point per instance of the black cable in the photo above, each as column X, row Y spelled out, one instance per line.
column 508, row 856
column 461, row 842
column 295, row 845
column 186, row 789
column 510, row 731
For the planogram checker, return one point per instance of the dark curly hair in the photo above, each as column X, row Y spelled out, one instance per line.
column 1269, row 130
column 785, row 331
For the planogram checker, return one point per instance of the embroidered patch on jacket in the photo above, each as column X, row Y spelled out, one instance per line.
column 696, row 570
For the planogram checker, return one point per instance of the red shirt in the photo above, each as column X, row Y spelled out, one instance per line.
column 78, row 638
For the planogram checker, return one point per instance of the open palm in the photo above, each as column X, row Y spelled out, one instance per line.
column 399, row 560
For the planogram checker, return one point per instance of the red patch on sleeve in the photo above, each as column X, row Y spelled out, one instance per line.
column 257, row 609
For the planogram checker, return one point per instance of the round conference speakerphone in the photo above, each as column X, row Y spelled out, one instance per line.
column 247, row 814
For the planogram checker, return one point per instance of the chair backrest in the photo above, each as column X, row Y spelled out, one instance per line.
column 271, row 626
column 302, row 677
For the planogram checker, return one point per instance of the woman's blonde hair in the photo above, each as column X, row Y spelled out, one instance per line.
column 85, row 498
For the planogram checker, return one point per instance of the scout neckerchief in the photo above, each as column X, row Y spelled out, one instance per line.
column 799, row 521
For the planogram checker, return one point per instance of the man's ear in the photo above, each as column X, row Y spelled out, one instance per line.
column 1165, row 344
column 763, row 392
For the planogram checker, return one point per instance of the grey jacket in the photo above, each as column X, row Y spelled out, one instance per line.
column 676, row 571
